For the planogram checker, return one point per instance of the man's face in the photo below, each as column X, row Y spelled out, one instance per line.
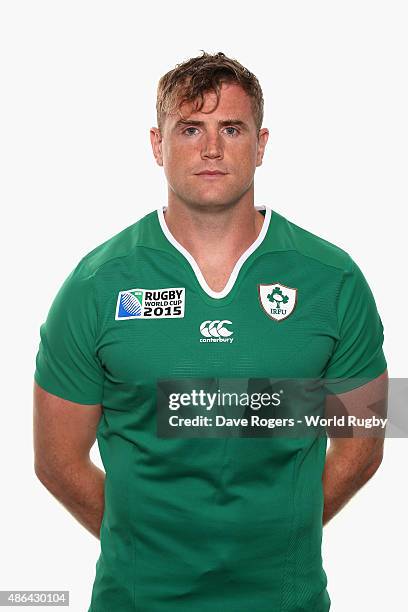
column 225, row 140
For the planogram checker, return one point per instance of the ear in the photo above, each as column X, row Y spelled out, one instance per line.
column 156, row 142
column 263, row 136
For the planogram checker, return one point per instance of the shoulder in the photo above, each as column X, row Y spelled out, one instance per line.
column 293, row 237
column 119, row 246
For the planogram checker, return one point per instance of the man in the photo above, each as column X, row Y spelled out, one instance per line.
column 208, row 288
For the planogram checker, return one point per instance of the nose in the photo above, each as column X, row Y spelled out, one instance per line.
column 212, row 147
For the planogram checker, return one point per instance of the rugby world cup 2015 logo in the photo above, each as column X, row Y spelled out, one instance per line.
column 277, row 300
column 140, row 303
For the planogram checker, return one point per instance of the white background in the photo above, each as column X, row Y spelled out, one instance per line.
column 78, row 84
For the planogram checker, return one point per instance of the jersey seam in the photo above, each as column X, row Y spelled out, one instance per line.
column 323, row 263
column 97, row 331
column 143, row 246
column 339, row 288
column 341, row 284
column 163, row 250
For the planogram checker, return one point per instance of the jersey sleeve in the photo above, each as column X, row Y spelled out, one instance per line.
column 358, row 355
column 66, row 363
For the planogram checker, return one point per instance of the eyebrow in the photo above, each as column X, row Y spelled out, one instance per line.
column 222, row 123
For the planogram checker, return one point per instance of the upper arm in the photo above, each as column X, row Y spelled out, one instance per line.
column 69, row 378
column 356, row 373
column 366, row 401
column 64, row 431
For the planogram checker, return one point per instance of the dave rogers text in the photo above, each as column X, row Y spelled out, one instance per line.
column 271, row 423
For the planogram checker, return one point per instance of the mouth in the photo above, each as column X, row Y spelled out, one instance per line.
column 211, row 174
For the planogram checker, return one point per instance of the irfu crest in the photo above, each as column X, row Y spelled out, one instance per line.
column 277, row 300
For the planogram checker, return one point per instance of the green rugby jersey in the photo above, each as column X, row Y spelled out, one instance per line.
column 207, row 523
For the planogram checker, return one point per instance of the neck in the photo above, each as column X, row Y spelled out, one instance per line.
column 212, row 235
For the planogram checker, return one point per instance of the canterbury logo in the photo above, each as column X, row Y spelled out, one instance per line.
column 215, row 331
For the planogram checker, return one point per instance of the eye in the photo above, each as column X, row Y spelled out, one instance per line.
column 230, row 127
column 186, row 131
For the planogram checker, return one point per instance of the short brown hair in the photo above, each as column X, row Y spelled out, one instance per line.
column 188, row 81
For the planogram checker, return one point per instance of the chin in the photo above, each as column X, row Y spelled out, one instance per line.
column 209, row 204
